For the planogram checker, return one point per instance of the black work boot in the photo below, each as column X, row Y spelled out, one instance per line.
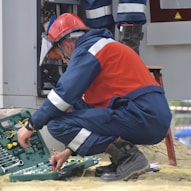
column 129, row 160
column 105, row 169
column 131, row 35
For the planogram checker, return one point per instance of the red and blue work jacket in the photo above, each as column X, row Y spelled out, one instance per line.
column 100, row 69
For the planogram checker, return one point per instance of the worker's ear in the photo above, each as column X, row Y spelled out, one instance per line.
column 69, row 46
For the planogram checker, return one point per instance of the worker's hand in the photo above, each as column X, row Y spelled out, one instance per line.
column 24, row 137
column 58, row 159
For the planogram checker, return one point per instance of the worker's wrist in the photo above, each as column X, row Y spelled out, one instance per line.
column 28, row 125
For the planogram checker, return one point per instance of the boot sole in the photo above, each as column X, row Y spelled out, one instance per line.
column 134, row 174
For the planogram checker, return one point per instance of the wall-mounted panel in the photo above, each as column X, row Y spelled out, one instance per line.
column 170, row 10
column 168, row 33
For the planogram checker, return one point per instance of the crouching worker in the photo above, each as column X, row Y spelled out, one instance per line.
column 115, row 103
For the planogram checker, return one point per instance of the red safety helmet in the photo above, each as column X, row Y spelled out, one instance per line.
column 64, row 25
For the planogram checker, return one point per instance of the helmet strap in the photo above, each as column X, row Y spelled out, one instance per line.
column 62, row 51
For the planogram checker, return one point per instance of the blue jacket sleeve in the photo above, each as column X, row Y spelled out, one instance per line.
column 81, row 71
column 44, row 114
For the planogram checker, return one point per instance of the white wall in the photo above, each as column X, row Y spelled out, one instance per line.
column 1, row 57
column 19, row 53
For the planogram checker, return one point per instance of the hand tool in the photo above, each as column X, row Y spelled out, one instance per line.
column 19, row 163
column 11, row 133
column 13, row 160
column 7, row 158
column 3, row 154
column 11, row 145
column 3, row 151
